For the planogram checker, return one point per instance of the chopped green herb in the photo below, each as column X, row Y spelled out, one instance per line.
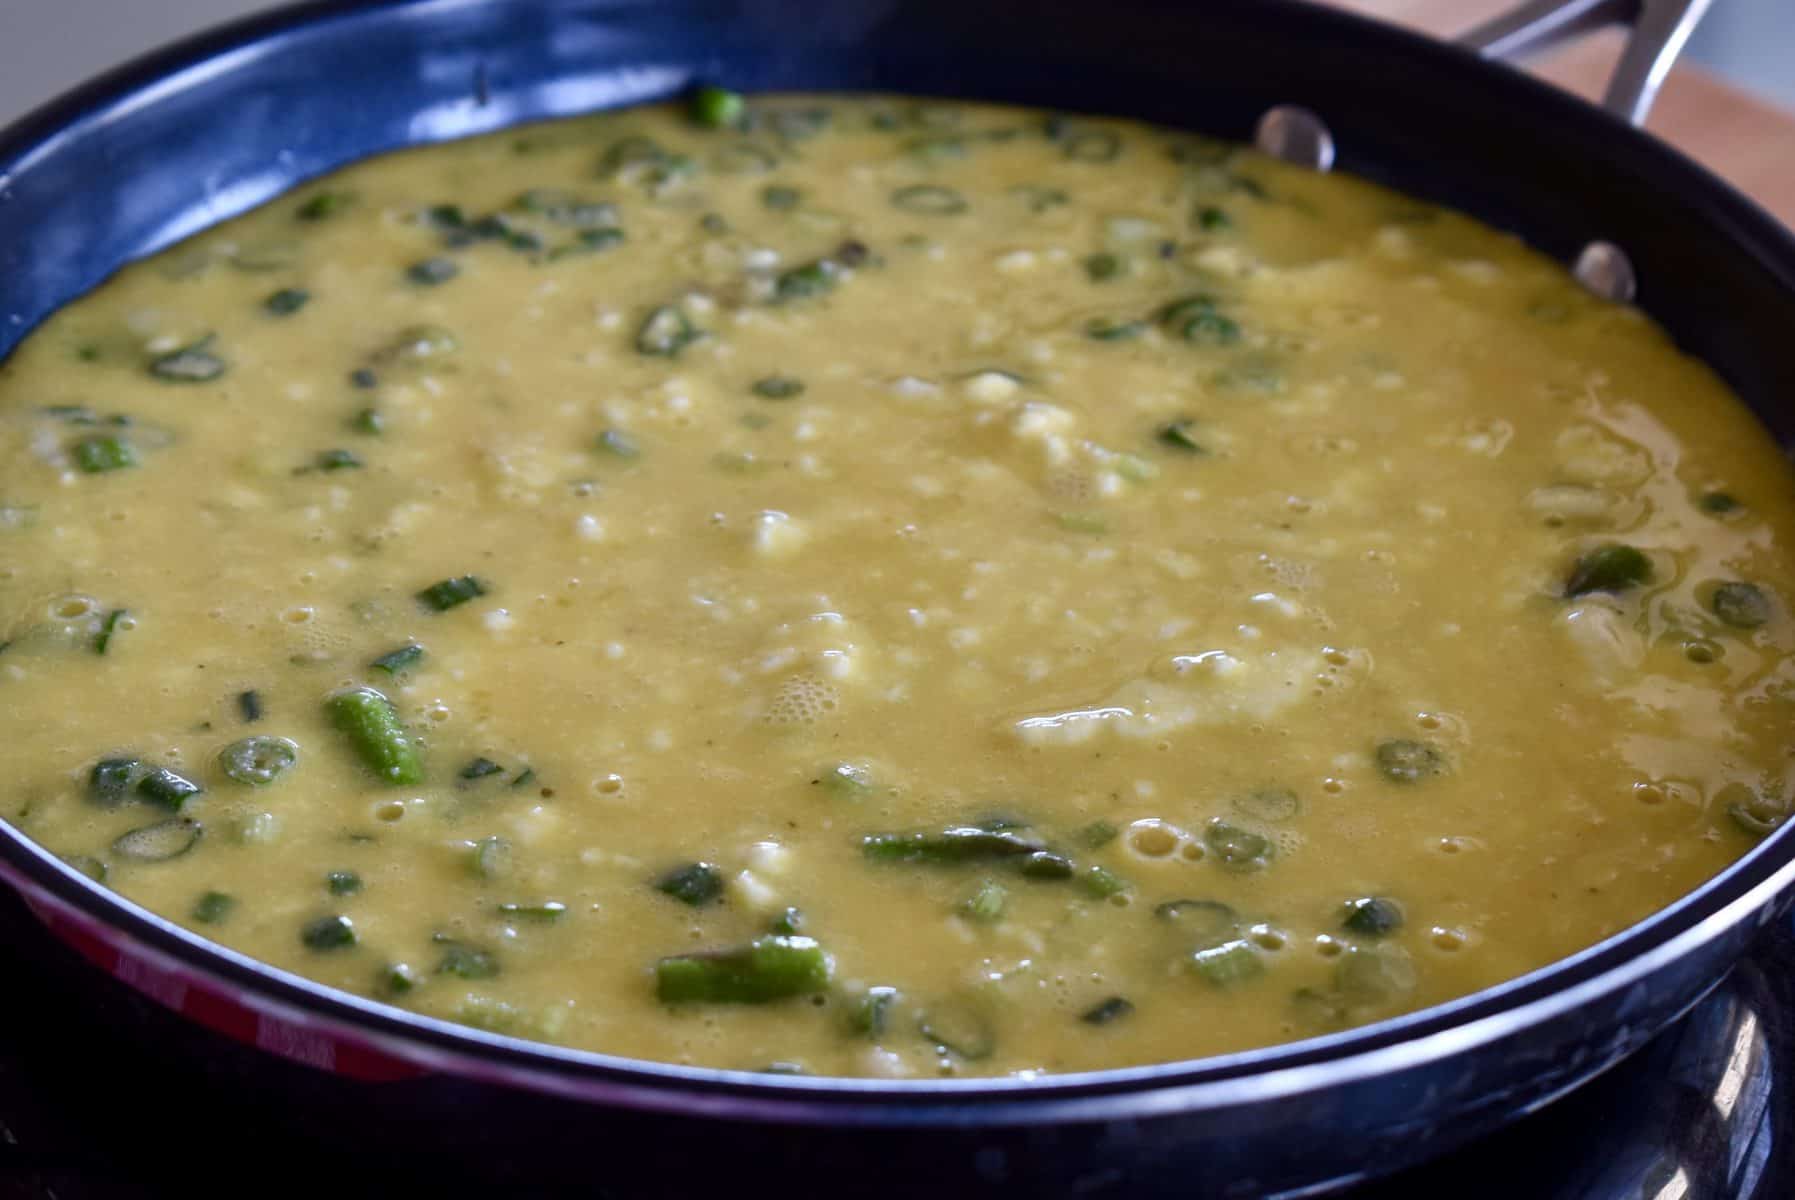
column 190, row 364
column 324, row 204
column 1205, row 922
column 213, row 908
column 447, row 594
column 329, row 933
column 337, row 460
column 780, row 198
column 1208, row 329
column 342, row 883
column 1611, row 568
column 548, row 910
column 258, row 761
column 465, row 961
column 1093, row 146
column 1405, row 760
column 430, row 272
column 1103, row 329
column 1112, row 1009
column 103, row 640
column 369, row 421
column 717, row 108
column 806, row 281
column 789, row 921
column 619, row 444
column 696, row 884
column 287, row 301
column 665, row 332
column 396, row 979
column 249, row 706
column 98, row 455
column 363, row 378
column 1103, row 266
column 777, row 387
column 1210, row 219
column 1718, row 503
column 404, row 658
column 481, row 768
column 769, row 968
column 1082, row 522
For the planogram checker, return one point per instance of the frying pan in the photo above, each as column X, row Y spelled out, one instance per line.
column 198, row 133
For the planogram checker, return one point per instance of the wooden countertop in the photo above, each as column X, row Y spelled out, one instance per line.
column 1740, row 138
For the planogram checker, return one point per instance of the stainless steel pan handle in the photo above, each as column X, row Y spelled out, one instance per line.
column 1660, row 30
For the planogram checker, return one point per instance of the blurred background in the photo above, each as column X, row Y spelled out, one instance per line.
column 46, row 45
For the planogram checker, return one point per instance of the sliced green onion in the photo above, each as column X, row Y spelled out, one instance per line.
column 1372, row 916
column 930, row 200
column 1229, row 963
column 109, row 783
column 159, row 842
column 98, row 455
column 1102, row 883
column 371, row 723
column 465, row 961
column 777, row 387
column 394, row 662
column 430, row 272
column 287, row 301
column 1611, row 568
column 328, row 933
column 986, row 904
column 871, row 1013
column 190, row 364
column 767, row 969
column 492, row 858
column 696, row 884
column 342, row 883
column 249, row 706
column 1741, row 605
column 258, row 761
column 448, row 593
column 324, row 204
column 213, row 908
column 665, row 332
column 1103, row 266
column 480, row 768
column 957, row 844
column 163, row 786
column 103, row 640
column 1405, row 760
column 548, row 910
column 1112, row 1009
column 717, row 108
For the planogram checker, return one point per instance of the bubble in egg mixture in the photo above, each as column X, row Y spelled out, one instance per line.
column 802, row 700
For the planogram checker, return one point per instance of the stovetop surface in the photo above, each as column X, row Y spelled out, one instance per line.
column 106, row 1096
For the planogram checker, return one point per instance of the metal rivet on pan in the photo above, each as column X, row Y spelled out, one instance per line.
column 1295, row 135
column 1605, row 269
